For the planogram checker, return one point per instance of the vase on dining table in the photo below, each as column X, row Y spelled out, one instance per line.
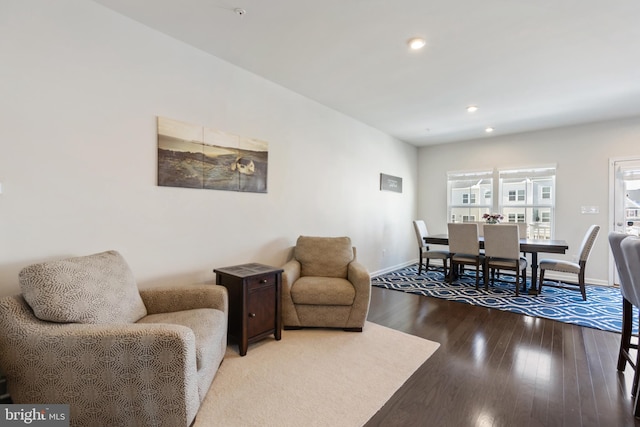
column 493, row 218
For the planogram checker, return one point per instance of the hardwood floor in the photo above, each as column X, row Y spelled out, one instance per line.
column 495, row 368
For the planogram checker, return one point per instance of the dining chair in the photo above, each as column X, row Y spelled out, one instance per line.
column 569, row 266
column 502, row 252
column 480, row 227
column 425, row 253
column 630, row 298
column 522, row 228
column 630, row 248
column 465, row 248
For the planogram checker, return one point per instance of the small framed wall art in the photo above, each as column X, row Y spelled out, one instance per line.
column 390, row 183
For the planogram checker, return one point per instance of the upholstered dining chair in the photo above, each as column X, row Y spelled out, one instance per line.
column 480, row 227
column 502, row 252
column 631, row 253
column 630, row 298
column 464, row 246
column 577, row 268
column 522, row 228
column 425, row 253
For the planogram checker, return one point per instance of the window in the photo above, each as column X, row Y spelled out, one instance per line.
column 545, row 193
column 469, row 195
column 515, row 217
column 468, row 198
column 527, row 195
column 516, row 195
column 523, row 196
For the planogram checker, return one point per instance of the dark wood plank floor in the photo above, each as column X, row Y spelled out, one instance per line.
column 495, row 368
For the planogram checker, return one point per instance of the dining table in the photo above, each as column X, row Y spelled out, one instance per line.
column 527, row 246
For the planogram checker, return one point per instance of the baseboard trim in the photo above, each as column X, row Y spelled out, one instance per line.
column 393, row 268
column 572, row 278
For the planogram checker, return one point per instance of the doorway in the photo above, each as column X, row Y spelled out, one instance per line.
column 624, row 195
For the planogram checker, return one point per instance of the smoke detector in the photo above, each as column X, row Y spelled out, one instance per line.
column 239, row 11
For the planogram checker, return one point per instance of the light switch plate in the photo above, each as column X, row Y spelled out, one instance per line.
column 590, row 209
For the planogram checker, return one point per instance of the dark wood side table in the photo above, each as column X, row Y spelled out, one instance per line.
column 254, row 302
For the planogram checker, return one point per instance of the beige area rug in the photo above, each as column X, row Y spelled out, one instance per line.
column 312, row 377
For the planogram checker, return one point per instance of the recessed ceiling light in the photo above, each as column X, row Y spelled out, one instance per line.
column 472, row 108
column 489, row 130
column 416, row 43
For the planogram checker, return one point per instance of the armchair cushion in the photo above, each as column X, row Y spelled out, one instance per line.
column 98, row 288
column 324, row 256
column 323, row 291
column 208, row 326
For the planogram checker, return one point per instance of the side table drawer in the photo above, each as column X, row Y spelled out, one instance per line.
column 261, row 282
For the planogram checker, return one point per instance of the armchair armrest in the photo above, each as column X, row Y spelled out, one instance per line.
column 358, row 275
column 291, row 273
column 164, row 300
column 360, row 278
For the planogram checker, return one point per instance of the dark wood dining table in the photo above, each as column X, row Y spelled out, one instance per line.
column 528, row 246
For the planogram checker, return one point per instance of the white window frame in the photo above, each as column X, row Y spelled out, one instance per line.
column 469, row 194
column 534, row 209
column 539, row 203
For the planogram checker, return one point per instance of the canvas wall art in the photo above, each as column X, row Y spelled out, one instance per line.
column 390, row 183
column 194, row 156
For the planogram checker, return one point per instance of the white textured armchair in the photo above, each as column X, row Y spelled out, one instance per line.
column 324, row 286
column 82, row 334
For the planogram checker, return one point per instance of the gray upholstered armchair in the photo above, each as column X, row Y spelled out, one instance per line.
column 324, row 286
column 82, row 334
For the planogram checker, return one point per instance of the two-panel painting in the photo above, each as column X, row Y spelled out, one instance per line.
column 194, row 156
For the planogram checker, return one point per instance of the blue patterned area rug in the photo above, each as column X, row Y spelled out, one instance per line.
column 602, row 309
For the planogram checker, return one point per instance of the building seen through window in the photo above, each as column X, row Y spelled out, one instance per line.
column 527, row 195
column 631, row 181
column 524, row 196
column 469, row 195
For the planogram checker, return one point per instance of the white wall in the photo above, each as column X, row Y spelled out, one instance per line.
column 81, row 88
column 581, row 154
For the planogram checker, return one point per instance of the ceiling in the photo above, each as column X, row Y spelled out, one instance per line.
column 527, row 65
